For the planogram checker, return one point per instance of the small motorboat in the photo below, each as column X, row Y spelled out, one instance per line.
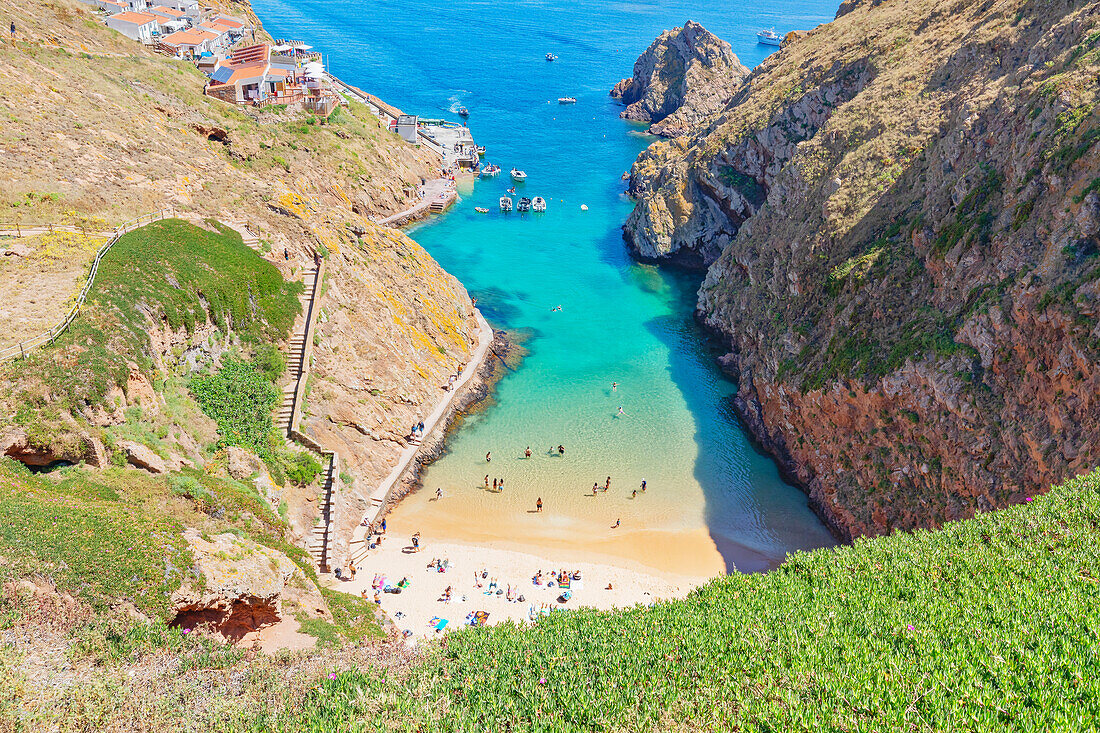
column 567, row 100
column 551, row 57
column 482, row 209
column 769, row 38
column 490, row 170
column 518, row 175
column 524, row 204
column 584, row 207
column 538, row 204
column 505, row 203
column 480, row 149
column 463, row 112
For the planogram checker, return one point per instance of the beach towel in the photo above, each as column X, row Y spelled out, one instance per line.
column 564, row 582
column 442, row 624
column 480, row 617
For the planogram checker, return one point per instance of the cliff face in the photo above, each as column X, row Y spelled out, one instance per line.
column 900, row 217
column 685, row 76
column 123, row 131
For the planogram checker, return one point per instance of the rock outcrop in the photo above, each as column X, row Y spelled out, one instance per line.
column 684, row 77
column 899, row 214
column 243, row 587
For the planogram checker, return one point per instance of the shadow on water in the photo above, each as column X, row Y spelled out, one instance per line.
column 754, row 517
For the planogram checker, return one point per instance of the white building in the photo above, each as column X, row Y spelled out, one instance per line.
column 135, row 26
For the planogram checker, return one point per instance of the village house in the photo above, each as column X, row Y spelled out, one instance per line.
column 190, row 43
column 135, row 26
column 112, row 6
column 247, row 76
column 170, row 19
column 190, row 8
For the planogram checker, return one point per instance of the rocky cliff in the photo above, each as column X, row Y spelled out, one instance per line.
column 899, row 214
column 685, row 76
column 113, row 131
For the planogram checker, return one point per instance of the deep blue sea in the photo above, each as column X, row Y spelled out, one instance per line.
column 712, row 502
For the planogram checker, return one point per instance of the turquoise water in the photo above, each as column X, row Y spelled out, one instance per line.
column 619, row 321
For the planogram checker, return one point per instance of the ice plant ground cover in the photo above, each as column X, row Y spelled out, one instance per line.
column 985, row 624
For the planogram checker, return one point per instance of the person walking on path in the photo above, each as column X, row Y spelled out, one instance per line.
column 13, row 30
column 383, row 525
column 538, row 505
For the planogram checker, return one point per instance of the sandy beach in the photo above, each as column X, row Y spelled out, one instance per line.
column 420, row 602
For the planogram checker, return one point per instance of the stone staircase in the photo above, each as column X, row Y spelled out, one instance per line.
column 321, row 540
column 297, row 365
column 247, row 235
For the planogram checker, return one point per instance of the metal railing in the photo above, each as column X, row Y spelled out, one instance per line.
column 21, row 349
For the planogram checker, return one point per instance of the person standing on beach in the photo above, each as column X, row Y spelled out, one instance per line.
column 643, row 485
column 501, row 485
column 616, row 525
column 527, row 453
column 416, row 542
column 538, row 505
column 494, row 484
column 634, row 494
column 486, row 480
column 561, row 451
column 607, row 485
column 439, row 493
column 595, row 488
column 489, row 457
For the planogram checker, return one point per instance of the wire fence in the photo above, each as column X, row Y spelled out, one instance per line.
column 21, row 349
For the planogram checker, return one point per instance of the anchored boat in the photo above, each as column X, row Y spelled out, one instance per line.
column 505, row 203
column 524, row 204
column 490, row 170
column 567, row 100
column 518, row 175
column 551, row 57
column 769, row 38
column 481, row 210
column 538, row 204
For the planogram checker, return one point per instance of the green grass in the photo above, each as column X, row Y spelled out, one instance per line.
column 88, row 541
column 989, row 624
column 240, row 399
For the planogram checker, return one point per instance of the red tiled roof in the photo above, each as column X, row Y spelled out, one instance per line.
column 135, row 18
column 229, row 23
column 190, row 37
column 249, row 54
column 164, row 10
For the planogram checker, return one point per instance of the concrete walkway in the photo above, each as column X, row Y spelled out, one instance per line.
column 436, row 191
column 378, row 498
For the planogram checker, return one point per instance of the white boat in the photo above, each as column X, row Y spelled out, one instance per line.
column 551, row 57
column 538, row 204
column 567, row 100
column 481, row 209
column 518, row 175
column 505, row 203
column 769, row 38
column 490, row 170
column 524, row 204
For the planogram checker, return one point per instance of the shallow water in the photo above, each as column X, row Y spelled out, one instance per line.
column 713, row 503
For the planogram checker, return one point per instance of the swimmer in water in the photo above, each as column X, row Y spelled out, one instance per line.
column 621, row 411
column 614, row 386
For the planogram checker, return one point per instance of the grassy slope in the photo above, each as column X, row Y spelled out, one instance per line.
column 988, row 624
column 169, row 274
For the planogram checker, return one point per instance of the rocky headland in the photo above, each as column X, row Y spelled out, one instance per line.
column 685, row 76
column 899, row 219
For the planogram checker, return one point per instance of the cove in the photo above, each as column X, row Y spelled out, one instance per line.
column 713, row 504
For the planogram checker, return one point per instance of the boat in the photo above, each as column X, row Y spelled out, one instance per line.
column 551, row 57
column 769, row 38
column 482, row 209
column 480, row 149
column 463, row 112
column 567, row 100
column 524, row 204
column 538, row 204
column 490, row 170
column 505, row 203
column 518, row 175
column 584, row 207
